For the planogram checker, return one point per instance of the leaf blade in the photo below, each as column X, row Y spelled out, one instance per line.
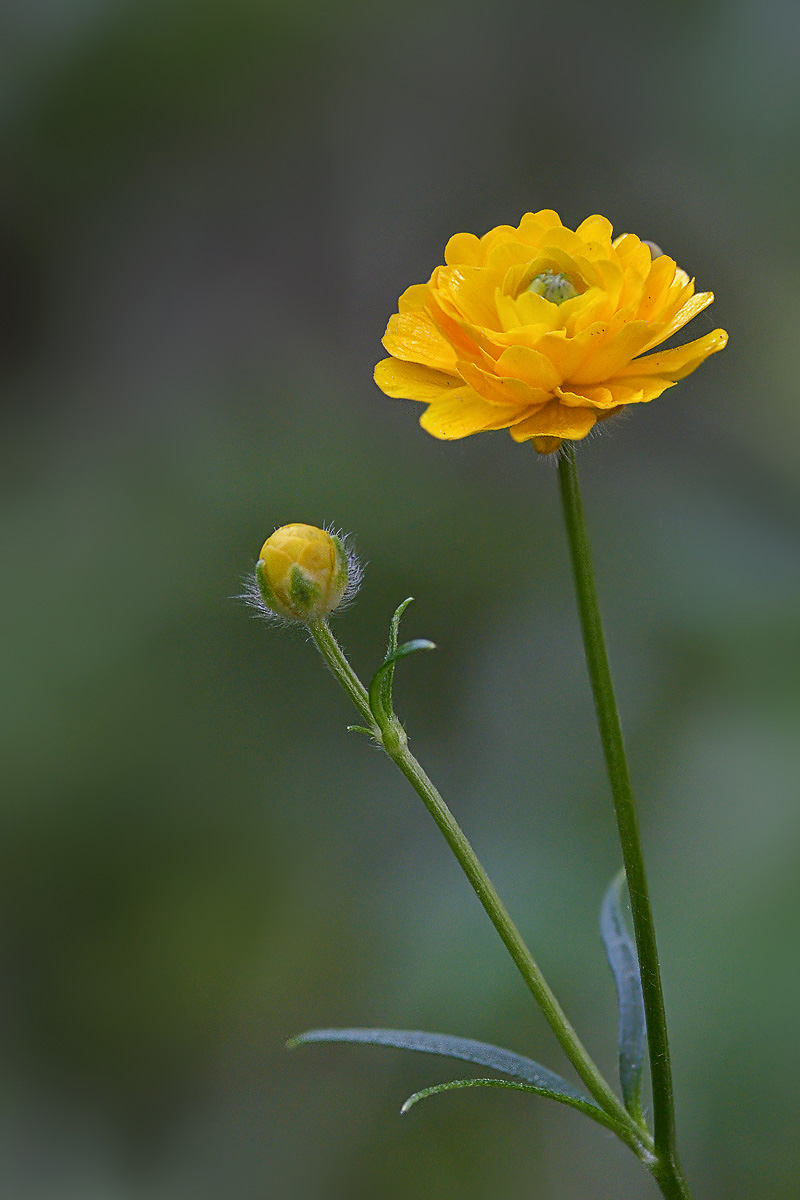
column 394, row 633
column 407, row 648
column 394, row 625
column 590, row 1109
column 380, row 689
column 526, row 1070
column 624, row 963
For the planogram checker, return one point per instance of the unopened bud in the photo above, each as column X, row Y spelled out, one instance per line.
column 303, row 572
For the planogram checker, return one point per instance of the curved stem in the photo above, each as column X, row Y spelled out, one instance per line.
column 331, row 651
column 668, row 1171
column 510, row 935
column 395, row 744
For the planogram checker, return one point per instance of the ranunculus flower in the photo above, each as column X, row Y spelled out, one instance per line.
column 542, row 331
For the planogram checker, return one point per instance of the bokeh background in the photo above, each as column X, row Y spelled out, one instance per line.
column 207, row 212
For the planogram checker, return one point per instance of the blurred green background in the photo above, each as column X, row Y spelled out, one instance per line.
column 207, row 212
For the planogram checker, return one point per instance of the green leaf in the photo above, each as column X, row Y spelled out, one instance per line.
column 585, row 1106
column 402, row 651
column 526, row 1074
column 485, row 1055
column 394, row 633
column 380, row 689
column 394, row 626
column 624, row 964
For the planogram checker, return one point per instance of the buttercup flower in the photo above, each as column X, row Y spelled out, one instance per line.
column 304, row 573
column 542, row 331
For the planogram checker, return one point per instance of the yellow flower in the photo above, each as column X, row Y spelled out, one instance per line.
column 539, row 330
column 304, row 573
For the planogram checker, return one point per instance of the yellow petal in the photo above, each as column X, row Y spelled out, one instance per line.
column 596, row 307
column 675, row 364
column 463, row 248
column 614, row 352
column 633, row 282
column 507, row 255
column 413, row 298
column 522, row 335
column 611, row 276
column 631, row 253
column 410, row 381
column 555, row 420
column 463, row 412
column 563, row 239
column 534, row 368
column 533, row 225
column 637, row 389
column 675, row 297
column 687, row 312
column 502, row 233
column 527, row 308
column 613, row 395
column 471, row 290
column 595, row 229
column 452, row 329
column 414, row 337
column 619, row 394
column 565, row 353
column 659, row 279
column 587, row 397
column 502, row 389
column 508, row 314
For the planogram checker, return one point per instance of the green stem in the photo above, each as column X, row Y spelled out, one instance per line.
column 394, row 741
column 668, row 1171
column 331, row 651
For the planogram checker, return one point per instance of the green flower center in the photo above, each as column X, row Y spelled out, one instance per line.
column 553, row 286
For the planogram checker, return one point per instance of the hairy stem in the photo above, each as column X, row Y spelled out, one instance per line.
column 394, row 742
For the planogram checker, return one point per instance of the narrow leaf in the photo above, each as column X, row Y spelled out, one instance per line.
column 505, row 1061
column 624, row 964
column 380, row 689
column 585, row 1106
column 394, row 625
column 407, row 648
column 387, row 678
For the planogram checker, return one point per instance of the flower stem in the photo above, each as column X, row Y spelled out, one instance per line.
column 395, row 744
column 334, row 656
column 667, row 1171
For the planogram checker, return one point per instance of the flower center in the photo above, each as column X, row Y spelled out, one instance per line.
column 553, row 286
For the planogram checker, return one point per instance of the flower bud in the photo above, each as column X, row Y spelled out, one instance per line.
column 303, row 572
